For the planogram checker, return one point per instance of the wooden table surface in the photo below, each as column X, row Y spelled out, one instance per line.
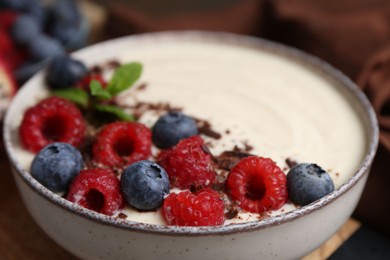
column 21, row 238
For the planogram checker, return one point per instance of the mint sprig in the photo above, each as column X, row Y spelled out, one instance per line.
column 100, row 98
column 124, row 77
column 75, row 95
column 115, row 110
column 98, row 91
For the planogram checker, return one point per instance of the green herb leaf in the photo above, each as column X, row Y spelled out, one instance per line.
column 124, row 77
column 117, row 111
column 75, row 95
column 97, row 90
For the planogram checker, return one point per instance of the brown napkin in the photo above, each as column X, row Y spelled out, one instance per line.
column 138, row 16
column 344, row 33
column 375, row 82
column 374, row 79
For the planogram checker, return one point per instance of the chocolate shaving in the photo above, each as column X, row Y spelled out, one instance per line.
column 204, row 127
column 228, row 159
column 232, row 213
column 291, row 163
column 122, row 216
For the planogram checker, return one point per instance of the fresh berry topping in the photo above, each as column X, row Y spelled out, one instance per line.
column 307, row 183
column 24, row 30
column 188, row 164
column 7, row 19
column 65, row 72
column 204, row 208
column 145, row 184
column 257, row 184
column 66, row 22
column 53, row 119
column 43, row 47
column 97, row 190
column 171, row 128
column 122, row 143
column 17, row 5
column 56, row 165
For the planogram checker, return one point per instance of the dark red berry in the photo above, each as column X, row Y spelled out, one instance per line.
column 53, row 119
column 204, row 208
column 122, row 143
column 7, row 19
column 257, row 184
column 188, row 164
column 97, row 190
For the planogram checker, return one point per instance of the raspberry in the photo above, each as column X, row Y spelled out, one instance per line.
column 7, row 19
column 204, row 208
column 257, row 184
column 97, row 190
column 188, row 164
column 122, row 143
column 53, row 119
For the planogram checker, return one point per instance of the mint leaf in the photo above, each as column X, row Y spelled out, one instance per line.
column 124, row 77
column 117, row 111
column 97, row 90
column 75, row 95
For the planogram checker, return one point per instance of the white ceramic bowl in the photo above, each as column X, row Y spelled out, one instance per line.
column 291, row 235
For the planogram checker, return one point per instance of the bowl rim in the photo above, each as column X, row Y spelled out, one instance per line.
column 321, row 67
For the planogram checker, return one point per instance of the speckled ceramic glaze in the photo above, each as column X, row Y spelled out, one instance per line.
column 291, row 235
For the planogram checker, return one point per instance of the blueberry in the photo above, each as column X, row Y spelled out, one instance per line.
column 56, row 165
column 171, row 128
column 145, row 184
column 307, row 183
column 25, row 29
column 17, row 5
column 43, row 47
column 65, row 11
column 39, row 13
column 64, row 72
column 64, row 32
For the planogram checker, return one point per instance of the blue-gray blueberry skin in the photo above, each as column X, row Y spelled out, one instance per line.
column 63, row 72
column 43, row 47
column 56, row 165
column 145, row 183
column 17, row 5
column 171, row 128
column 307, row 183
column 24, row 29
column 65, row 20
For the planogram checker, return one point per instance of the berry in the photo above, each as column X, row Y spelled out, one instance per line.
column 204, row 208
column 65, row 72
column 56, row 165
column 24, row 29
column 16, row 5
column 122, row 143
column 188, row 164
column 43, row 47
column 7, row 18
column 66, row 21
column 307, row 183
column 257, row 184
column 97, row 190
column 53, row 119
column 145, row 184
column 171, row 128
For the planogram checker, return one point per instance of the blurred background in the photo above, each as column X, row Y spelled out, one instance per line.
column 352, row 35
